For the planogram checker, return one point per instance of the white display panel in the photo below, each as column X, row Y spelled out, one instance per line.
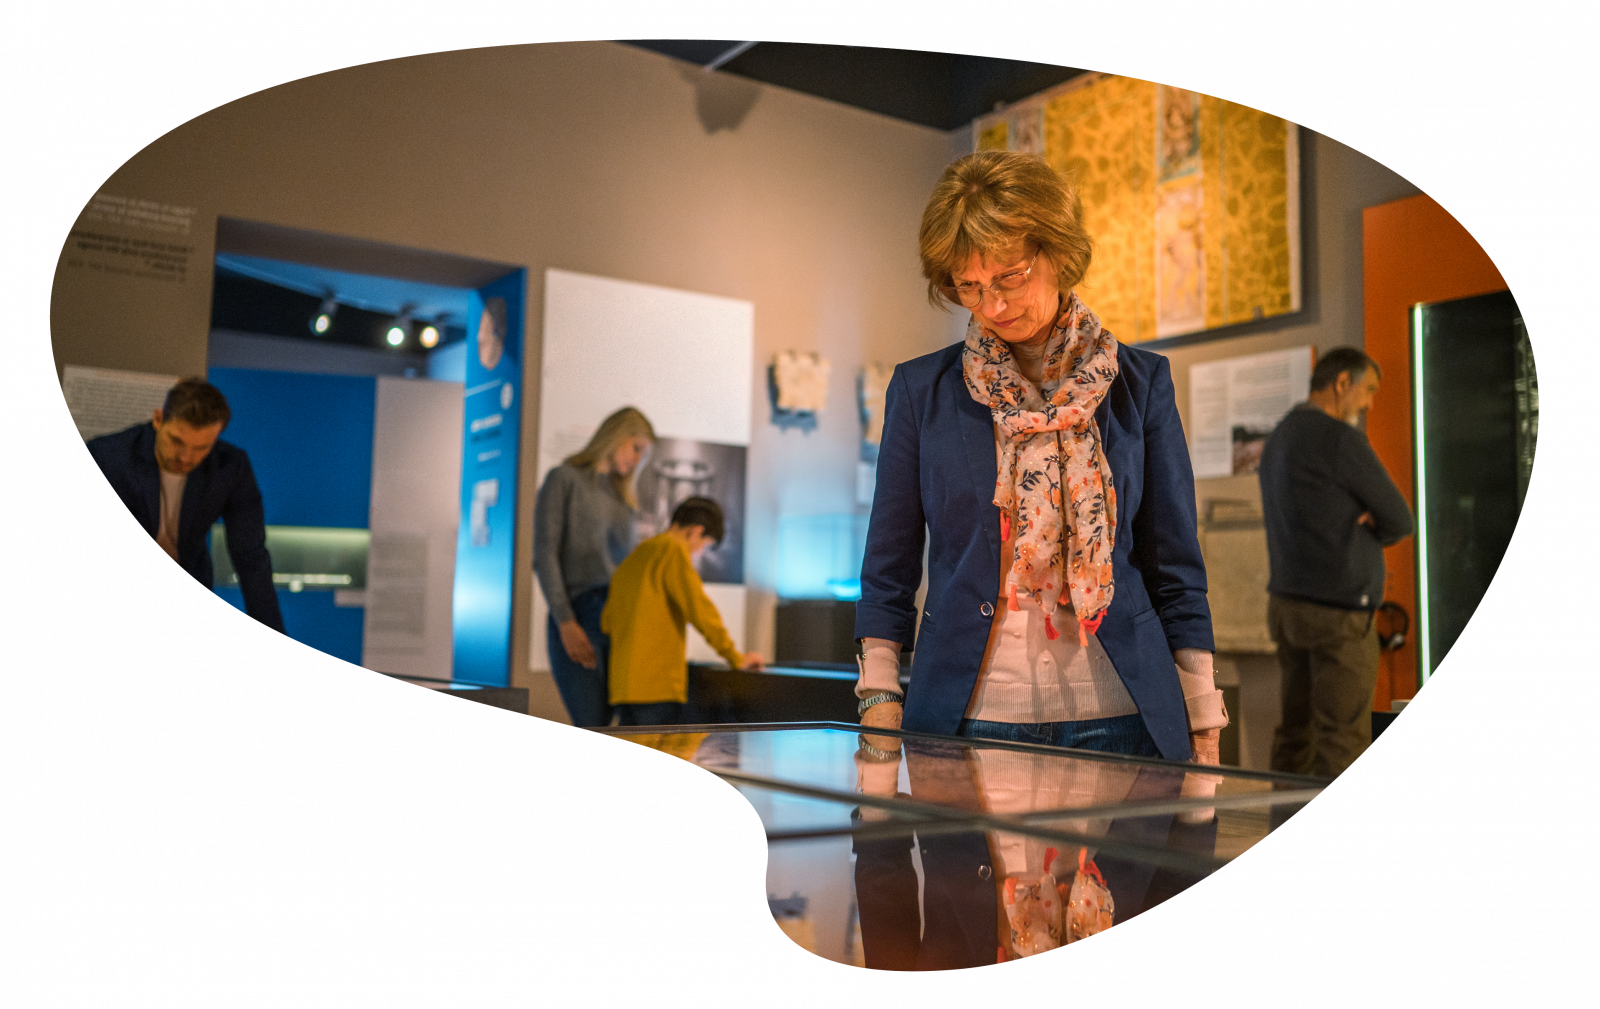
column 411, row 564
column 682, row 358
column 1236, row 402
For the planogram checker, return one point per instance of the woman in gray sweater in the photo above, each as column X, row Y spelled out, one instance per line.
column 583, row 526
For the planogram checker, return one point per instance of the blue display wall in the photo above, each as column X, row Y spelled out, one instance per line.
column 309, row 438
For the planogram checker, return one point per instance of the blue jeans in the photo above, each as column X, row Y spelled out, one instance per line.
column 1124, row 734
column 585, row 692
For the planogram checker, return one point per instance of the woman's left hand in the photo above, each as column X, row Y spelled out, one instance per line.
column 1207, row 746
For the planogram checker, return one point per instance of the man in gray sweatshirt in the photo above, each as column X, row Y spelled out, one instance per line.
column 1330, row 508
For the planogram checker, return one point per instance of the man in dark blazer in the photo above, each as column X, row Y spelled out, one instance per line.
column 178, row 478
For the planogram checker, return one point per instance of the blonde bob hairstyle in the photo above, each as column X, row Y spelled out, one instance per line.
column 985, row 201
column 614, row 430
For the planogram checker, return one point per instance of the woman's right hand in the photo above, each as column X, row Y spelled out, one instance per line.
column 879, row 776
column 883, row 716
column 577, row 644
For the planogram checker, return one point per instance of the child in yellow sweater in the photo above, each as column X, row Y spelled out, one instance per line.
column 654, row 593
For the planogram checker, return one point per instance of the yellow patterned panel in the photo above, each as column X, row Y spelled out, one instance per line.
column 1211, row 117
column 1255, row 213
column 1238, row 206
column 1102, row 136
column 993, row 138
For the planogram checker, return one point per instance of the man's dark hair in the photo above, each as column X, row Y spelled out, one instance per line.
column 197, row 403
column 700, row 511
column 1338, row 361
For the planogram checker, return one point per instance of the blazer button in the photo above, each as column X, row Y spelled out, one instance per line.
column 986, row 609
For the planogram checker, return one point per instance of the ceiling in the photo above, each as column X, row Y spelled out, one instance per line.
column 374, row 294
column 271, row 280
column 247, row 304
column 941, row 90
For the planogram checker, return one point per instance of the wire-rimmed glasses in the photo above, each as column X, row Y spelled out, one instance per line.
column 971, row 295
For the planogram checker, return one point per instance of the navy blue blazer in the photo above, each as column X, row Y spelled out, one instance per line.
column 936, row 472
column 222, row 487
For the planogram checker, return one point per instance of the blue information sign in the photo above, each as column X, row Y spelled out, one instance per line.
column 485, row 543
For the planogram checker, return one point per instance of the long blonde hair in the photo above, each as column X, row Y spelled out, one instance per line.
column 613, row 431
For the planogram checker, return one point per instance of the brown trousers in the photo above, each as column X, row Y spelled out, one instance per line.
column 1329, row 663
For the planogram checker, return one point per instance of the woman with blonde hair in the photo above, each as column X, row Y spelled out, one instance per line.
column 583, row 526
column 1066, row 598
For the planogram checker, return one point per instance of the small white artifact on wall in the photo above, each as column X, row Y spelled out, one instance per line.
column 802, row 381
column 874, row 387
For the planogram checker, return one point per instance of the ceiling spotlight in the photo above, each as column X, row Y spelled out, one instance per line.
column 429, row 337
column 323, row 320
column 400, row 329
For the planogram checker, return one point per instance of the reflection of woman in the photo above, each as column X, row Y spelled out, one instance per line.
column 1066, row 594
column 1041, row 893
column 492, row 332
column 583, row 526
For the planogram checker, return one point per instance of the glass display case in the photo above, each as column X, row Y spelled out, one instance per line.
column 906, row 851
column 303, row 557
column 1475, row 400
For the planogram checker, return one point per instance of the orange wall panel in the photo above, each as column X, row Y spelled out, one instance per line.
column 1412, row 252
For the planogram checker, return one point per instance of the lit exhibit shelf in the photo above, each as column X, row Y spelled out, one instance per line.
column 316, row 558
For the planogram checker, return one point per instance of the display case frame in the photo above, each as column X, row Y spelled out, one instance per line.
column 1288, row 790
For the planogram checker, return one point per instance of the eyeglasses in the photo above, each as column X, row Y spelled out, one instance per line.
column 971, row 295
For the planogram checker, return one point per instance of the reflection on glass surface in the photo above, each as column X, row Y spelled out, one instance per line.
column 788, row 817
column 906, row 852
column 1476, row 401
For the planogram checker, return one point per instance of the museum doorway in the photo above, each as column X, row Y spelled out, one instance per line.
column 377, row 390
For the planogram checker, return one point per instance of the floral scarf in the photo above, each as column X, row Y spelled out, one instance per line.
column 1049, row 441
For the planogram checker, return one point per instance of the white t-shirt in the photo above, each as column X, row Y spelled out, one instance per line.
column 171, row 505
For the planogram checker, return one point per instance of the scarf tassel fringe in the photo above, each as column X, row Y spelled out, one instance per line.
column 1088, row 627
column 1087, row 867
